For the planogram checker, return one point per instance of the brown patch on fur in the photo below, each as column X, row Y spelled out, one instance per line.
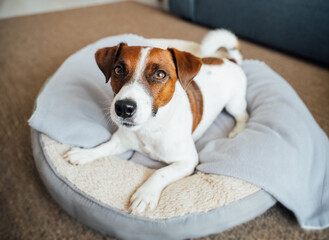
column 121, row 55
column 187, row 66
column 196, row 102
column 212, row 61
column 161, row 91
column 128, row 60
column 106, row 57
column 232, row 60
column 178, row 65
column 224, row 53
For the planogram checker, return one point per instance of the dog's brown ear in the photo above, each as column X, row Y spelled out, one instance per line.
column 106, row 57
column 187, row 66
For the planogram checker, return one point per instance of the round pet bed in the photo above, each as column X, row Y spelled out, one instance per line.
column 98, row 195
column 69, row 112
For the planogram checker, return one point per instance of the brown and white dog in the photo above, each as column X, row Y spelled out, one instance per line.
column 165, row 99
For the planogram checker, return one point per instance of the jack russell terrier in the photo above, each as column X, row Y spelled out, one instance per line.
column 165, row 99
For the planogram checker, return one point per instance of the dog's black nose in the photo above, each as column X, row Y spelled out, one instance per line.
column 125, row 108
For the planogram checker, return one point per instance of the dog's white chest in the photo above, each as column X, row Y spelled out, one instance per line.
column 149, row 143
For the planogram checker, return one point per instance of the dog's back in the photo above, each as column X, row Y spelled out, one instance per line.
column 220, row 84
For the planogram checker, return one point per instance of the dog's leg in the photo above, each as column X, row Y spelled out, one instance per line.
column 78, row 156
column 237, row 107
column 147, row 196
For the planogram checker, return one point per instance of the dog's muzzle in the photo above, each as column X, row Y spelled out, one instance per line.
column 125, row 108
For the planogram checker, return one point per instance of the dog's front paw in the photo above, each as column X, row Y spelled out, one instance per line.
column 76, row 156
column 144, row 198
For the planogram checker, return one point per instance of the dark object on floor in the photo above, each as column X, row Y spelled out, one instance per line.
column 299, row 27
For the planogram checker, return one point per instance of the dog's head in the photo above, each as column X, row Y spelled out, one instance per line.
column 143, row 79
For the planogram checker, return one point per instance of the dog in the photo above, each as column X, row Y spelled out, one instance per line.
column 165, row 99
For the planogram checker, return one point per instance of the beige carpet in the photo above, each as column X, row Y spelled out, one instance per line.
column 33, row 47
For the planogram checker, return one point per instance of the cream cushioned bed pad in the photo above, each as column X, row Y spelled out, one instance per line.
column 112, row 181
column 97, row 195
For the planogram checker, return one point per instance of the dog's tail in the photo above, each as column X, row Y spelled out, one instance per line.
column 221, row 43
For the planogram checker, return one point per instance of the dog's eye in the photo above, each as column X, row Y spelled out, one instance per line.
column 118, row 70
column 159, row 75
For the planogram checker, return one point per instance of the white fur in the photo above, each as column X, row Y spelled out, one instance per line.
column 167, row 136
column 141, row 63
column 216, row 39
column 210, row 44
column 136, row 92
column 220, row 86
column 221, row 38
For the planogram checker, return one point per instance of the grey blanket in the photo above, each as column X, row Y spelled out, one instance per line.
column 282, row 150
